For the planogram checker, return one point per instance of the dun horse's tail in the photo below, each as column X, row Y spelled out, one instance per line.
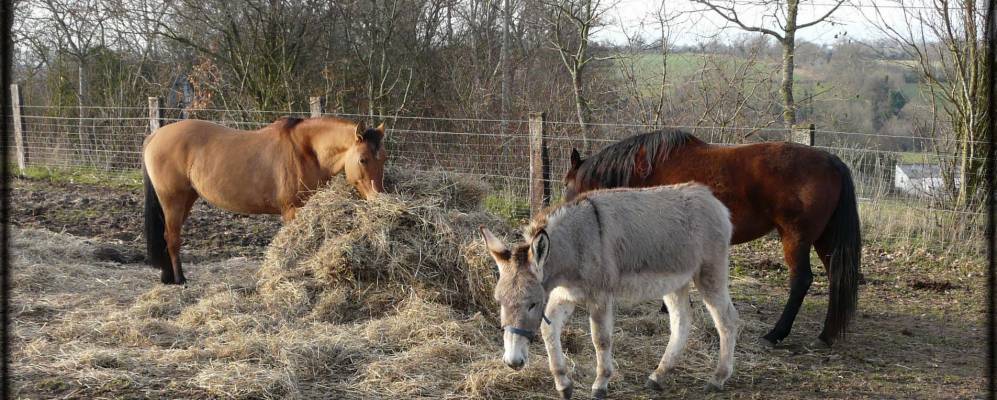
column 844, row 234
column 155, row 230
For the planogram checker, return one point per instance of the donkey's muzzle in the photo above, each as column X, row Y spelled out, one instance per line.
column 516, row 364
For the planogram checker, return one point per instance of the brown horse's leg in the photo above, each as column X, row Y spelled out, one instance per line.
column 797, row 254
column 176, row 209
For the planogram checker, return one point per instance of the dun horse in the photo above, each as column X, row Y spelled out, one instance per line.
column 617, row 245
column 269, row 171
column 807, row 195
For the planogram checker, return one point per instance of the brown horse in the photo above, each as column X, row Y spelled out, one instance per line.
column 269, row 171
column 807, row 195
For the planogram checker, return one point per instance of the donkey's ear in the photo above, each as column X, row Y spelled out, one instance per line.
column 576, row 159
column 499, row 252
column 539, row 249
column 642, row 167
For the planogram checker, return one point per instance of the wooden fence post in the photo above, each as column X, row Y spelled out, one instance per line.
column 539, row 164
column 20, row 153
column 317, row 105
column 155, row 114
column 803, row 135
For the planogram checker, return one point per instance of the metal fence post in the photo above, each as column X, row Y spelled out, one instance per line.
column 539, row 164
column 317, row 105
column 803, row 135
column 155, row 114
column 19, row 152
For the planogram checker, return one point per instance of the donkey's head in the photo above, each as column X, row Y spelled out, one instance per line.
column 519, row 292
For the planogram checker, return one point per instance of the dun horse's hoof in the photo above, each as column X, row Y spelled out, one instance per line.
column 566, row 392
column 653, row 385
column 714, row 388
column 599, row 394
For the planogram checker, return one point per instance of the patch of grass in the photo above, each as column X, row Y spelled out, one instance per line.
column 514, row 209
column 83, row 176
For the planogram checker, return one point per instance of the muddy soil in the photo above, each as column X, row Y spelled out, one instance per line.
column 115, row 216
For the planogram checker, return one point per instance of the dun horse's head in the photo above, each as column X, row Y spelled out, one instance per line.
column 519, row 292
column 363, row 163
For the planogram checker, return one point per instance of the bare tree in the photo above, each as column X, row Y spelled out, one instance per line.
column 785, row 16
column 649, row 98
column 946, row 40
column 572, row 24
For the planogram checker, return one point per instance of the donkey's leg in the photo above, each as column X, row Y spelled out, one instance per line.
column 558, row 310
column 797, row 254
column 713, row 284
column 680, row 317
column 176, row 208
column 601, row 323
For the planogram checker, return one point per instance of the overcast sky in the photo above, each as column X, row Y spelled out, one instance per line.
column 856, row 19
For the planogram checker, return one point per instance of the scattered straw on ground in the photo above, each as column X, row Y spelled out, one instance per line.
column 392, row 299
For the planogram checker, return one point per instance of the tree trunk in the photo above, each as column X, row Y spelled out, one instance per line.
column 581, row 107
column 788, row 63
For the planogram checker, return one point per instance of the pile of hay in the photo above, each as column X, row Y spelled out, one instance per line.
column 354, row 299
column 343, row 259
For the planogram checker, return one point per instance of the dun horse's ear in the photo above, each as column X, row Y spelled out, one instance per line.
column 576, row 159
column 361, row 128
column 642, row 166
column 380, row 128
column 499, row 252
column 539, row 249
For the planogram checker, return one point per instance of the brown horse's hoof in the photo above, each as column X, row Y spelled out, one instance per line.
column 599, row 394
column 769, row 341
column 653, row 385
column 566, row 392
column 825, row 340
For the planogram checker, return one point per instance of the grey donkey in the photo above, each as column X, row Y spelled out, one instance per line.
column 615, row 245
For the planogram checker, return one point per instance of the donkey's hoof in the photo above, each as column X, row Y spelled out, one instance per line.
column 653, row 385
column 599, row 394
column 714, row 387
column 566, row 392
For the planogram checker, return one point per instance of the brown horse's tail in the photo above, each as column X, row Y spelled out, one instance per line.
column 843, row 234
column 155, row 231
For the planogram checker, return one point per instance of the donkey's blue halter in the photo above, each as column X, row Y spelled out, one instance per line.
column 528, row 334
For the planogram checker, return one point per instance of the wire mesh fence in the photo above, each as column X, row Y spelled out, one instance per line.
column 908, row 197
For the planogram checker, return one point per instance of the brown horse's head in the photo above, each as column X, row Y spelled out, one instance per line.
column 363, row 163
column 573, row 186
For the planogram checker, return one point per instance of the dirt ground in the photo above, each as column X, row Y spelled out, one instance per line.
column 113, row 215
column 920, row 331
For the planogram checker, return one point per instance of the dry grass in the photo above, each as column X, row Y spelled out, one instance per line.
column 391, row 299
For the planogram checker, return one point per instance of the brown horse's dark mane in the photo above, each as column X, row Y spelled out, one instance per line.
column 613, row 166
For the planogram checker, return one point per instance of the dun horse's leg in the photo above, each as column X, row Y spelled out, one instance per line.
column 680, row 317
column 601, row 323
column 175, row 210
column 716, row 296
column 558, row 311
column 288, row 214
column 797, row 254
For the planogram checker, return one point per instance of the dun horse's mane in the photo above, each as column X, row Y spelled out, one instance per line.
column 287, row 124
column 613, row 165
